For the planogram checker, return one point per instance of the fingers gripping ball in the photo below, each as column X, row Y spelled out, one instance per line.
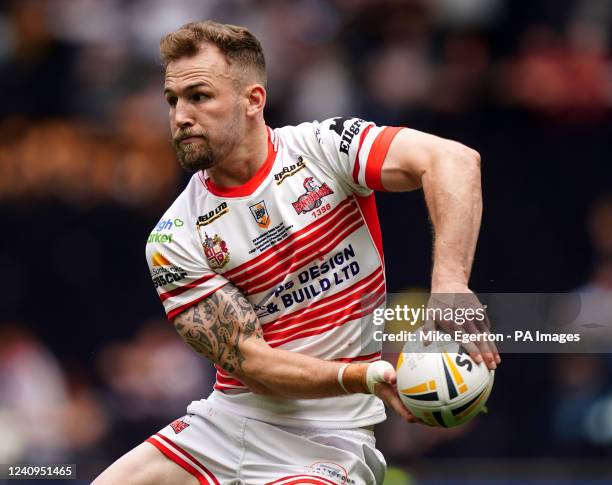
column 376, row 373
column 444, row 389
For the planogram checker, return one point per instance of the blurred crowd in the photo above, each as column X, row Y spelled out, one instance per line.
column 87, row 370
column 63, row 412
column 81, row 79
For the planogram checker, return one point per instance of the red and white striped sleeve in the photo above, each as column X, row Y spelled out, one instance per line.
column 356, row 149
column 179, row 270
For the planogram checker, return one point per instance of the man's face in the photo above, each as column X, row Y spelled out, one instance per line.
column 206, row 117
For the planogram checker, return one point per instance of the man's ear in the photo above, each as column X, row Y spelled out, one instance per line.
column 256, row 99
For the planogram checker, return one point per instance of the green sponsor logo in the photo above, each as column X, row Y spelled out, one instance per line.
column 159, row 237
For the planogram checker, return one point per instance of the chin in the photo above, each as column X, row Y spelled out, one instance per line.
column 196, row 165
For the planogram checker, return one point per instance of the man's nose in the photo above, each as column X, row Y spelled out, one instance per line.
column 183, row 114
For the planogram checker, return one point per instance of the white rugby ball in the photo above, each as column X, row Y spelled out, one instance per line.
column 443, row 389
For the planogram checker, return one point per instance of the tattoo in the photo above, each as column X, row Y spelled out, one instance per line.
column 218, row 325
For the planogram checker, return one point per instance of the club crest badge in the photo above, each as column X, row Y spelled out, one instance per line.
column 260, row 214
column 216, row 251
column 312, row 198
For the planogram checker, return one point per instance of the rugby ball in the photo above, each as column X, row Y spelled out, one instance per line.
column 443, row 389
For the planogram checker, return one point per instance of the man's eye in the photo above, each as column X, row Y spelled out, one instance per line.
column 199, row 97
column 171, row 101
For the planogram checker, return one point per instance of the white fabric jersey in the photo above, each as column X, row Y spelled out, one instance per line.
column 301, row 240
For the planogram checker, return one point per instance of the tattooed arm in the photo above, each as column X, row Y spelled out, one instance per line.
column 225, row 329
column 219, row 326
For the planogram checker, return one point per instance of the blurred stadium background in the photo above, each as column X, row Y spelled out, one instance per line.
column 88, row 366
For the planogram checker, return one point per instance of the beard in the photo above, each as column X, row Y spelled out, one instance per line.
column 195, row 156
column 205, row 154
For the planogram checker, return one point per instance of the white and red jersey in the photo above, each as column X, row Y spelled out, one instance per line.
column 301, row 240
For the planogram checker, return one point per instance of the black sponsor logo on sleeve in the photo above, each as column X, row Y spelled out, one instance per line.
column 346, row 134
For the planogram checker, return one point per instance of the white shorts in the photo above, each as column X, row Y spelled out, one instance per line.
column 222, row 448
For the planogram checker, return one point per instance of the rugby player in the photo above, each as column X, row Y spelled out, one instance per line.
column 270, row 265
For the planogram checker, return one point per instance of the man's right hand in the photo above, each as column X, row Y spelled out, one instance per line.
column 387, row 391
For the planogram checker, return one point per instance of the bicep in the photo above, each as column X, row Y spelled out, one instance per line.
column 222, row 327
column 413, row 153
column 409, row 156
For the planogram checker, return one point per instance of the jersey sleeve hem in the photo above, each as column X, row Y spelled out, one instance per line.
column 377, row 155
column 356, row 166
column 175, row 312
column 182, row 289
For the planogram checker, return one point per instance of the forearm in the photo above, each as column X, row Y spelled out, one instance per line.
column 453, row 194
column 294, row 375
column 225, row 329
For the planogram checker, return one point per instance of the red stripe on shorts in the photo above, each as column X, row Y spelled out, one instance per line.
column 190, row 456
column 171, row 455
column 298, row 479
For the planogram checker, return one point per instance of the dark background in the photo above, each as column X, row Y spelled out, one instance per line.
column 86, row 171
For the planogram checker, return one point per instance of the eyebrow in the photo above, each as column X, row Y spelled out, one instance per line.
column 189, row 87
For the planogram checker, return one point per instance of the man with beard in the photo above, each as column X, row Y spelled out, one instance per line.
column 275, row 269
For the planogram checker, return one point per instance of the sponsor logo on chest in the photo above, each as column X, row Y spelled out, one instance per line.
column 290, row 170
column 213, row 215
column 311, row 199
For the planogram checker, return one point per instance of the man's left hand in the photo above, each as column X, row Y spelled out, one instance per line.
column 462, row 301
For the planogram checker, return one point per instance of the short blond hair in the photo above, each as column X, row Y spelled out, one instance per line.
column 238, row 45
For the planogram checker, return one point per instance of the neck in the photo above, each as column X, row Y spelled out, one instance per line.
column 244, row 161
